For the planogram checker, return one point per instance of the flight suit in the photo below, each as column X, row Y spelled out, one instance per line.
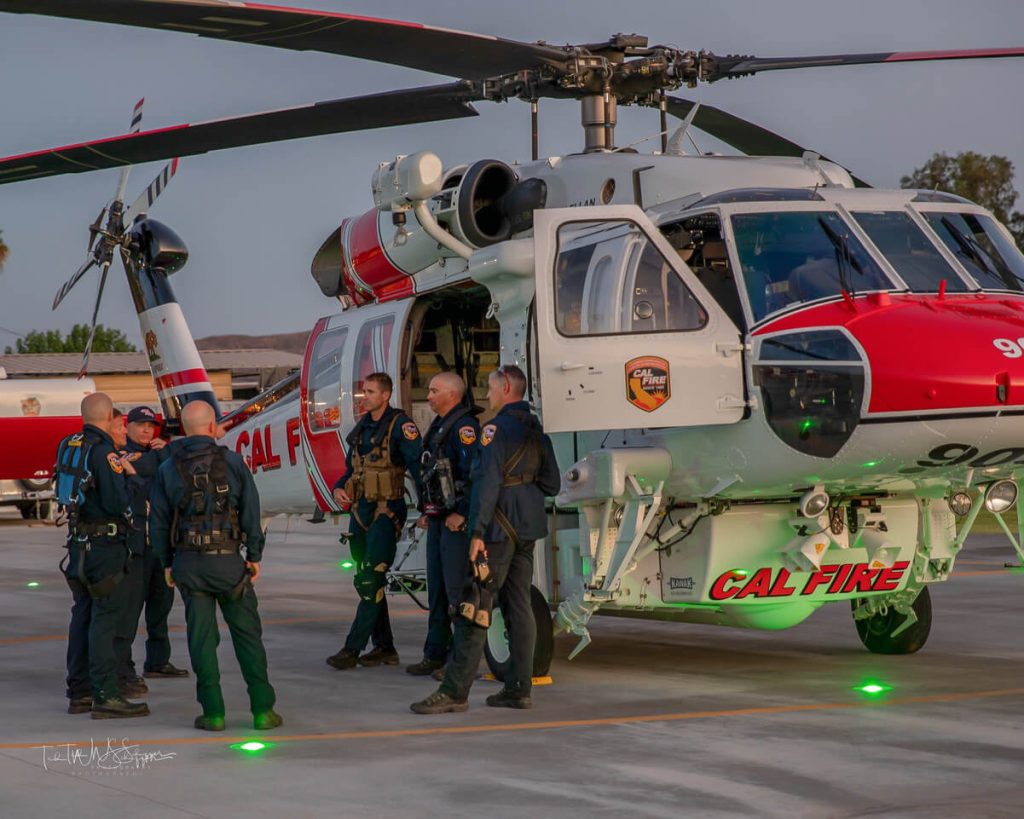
column 149, row 588
column 97, row 550
column 447, row 551
column 373, row 530
column 509, row 484
column 208, row 569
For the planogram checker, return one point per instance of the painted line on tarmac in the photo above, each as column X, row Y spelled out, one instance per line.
column 41, row 638
column 771, row 710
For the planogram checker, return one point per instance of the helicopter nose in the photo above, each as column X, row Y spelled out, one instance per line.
column 930, row 355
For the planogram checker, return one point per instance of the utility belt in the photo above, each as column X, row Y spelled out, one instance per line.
column 110, row 527
column 215, row 541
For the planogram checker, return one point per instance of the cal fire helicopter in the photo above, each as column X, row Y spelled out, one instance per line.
column 770, row 389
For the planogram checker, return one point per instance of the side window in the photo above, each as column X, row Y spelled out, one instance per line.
column 372, row 354
column 324, row 395
column 610, row 279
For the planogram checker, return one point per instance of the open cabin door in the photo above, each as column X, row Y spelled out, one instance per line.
column 627, row 337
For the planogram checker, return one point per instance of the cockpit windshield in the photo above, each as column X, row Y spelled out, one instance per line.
column 980, row 246
column 792, row 257
column 906, row 247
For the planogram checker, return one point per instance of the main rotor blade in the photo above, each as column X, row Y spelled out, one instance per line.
column 743, row 135
column 66, row 287
column 414, row 45
column 717, row 68
column 438, row 102
column 146, row 199
column 95, row 312
column 134, row 127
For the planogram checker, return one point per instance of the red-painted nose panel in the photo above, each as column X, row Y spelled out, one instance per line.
column 926, row 353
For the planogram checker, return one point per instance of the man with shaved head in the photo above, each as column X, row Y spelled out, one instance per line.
column 204, row 511
column 449, row 448
column 90, row 481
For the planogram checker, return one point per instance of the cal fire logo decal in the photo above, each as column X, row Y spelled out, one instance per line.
column 648, row 384
column 832, row 579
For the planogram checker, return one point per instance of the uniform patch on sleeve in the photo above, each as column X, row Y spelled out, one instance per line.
column 487, row 434
column 467, row 435
column 115, row 464
column 410, row 430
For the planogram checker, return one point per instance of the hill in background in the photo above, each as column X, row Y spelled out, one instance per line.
column 288, row 342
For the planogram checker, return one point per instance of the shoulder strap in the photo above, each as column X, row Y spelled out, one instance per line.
column 447, row 426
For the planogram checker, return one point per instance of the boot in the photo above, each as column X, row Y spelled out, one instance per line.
column 343, row 659
column 80, row 705
column 379, row 656
column 132, row 687
column 439, row 703
column 424, row 667
column 118, row 708
column 205, row 723
column 266, row 720
column 165, row 670
column 507, row 698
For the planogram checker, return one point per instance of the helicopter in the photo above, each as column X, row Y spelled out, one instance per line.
column 769, row 386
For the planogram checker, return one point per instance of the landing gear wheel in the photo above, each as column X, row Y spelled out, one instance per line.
column 876, row 632
column 496, row 649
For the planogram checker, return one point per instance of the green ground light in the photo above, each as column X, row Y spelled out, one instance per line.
column 345, row 565
column 869, row 464
column 32, row 584
column 252, row 747
column 873, row 689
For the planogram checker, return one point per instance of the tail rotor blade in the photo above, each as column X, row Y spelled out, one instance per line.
column 92, row 328
column 136, row 125
column 66, row 287
column 150, row 194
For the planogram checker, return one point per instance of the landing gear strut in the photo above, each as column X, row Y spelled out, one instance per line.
column 885, row 630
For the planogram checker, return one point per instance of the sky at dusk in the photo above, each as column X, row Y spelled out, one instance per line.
column 253, row 217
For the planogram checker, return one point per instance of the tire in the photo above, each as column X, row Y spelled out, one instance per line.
column 496, row 648
column 876, row 632
column 35, row 510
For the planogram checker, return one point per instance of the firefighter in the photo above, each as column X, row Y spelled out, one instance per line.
column 90, row 485
column 147, row 452
column 382, row 446
column 204, row 510
column 515, row 470
column 449, row 448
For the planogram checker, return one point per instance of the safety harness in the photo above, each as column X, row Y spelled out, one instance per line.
column 72, row 480
column 374, row 477
column 204, row 520
column 532, row 451
column 441, row 492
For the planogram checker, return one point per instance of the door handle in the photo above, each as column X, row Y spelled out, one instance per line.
column 565, row 366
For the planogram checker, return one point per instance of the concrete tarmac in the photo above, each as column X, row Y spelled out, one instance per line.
column 653, row 719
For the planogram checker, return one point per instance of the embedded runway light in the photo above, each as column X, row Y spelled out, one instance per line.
column 960, row 504
column 345, row 565
column 251, row 747
column 814, row 502
column 32, row 584
column 873, row 688
column 1000, row 496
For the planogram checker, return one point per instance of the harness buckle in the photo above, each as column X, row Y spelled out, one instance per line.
column 111, row 530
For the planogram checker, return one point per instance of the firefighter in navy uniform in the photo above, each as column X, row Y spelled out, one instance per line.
column 90, row 480
column 204, row 508
column 515, row 471
column 147, row 452
column 382, row 446
column 449, row 448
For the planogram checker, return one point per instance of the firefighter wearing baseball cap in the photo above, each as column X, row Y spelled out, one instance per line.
column 147, row 452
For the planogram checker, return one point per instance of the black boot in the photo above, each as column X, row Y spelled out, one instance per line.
column 343, row 659
column 424, row 667
column 80, row 705
column 165, row 670
column 379, row 656
column 507, row 698
column 266, row 720
column 118, row 708
column 205, row 723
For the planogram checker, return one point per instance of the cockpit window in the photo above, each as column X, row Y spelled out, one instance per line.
column 909, row 251
column 611, row 279
column 799, row 256
column 981, row 247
